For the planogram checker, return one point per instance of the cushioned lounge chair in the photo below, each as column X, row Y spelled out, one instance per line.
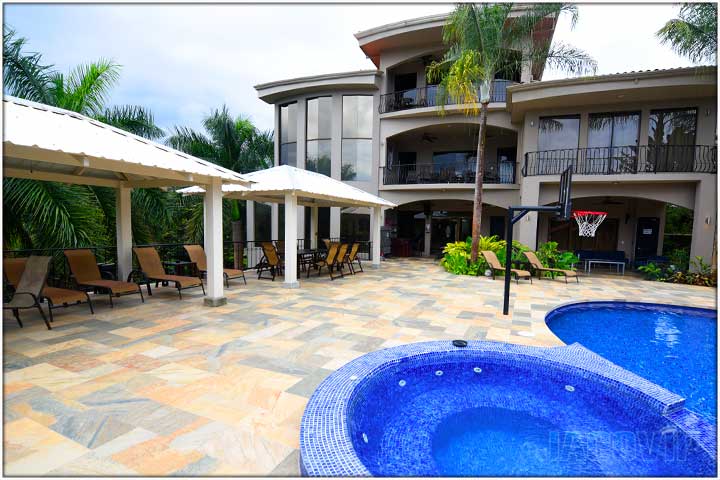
column 270, row 262
column 330, row 261
column 152, row 268
column 495, row 265
column 84, row 268
column 55, row 297
column 29, row 288
column 538, row 266
column 197, row 255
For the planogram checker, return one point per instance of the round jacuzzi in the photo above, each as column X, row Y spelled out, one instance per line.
column 494, row 409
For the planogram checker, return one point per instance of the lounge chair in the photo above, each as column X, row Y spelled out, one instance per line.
column 495, row 266
column 341, row 257
column 270, row 261
column 197, row 255
column 330, row 261
column 83, row 266
column 352, row 258
column 56, row 297
column 152, row 268
column 29, row 288
column 538, row 267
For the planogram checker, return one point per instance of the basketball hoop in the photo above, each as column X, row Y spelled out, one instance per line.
column 588, row 222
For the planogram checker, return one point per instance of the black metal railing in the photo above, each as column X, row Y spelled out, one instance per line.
column 623, row 160
column 495, row 172
column 245, row 255
column 431, row 97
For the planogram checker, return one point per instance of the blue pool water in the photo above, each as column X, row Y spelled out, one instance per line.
column 490, row 417
column 674, row 347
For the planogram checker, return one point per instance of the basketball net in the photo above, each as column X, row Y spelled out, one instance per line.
column 588, row 222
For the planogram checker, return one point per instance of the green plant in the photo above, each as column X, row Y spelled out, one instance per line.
column 694, row 34
column 551, row 257
column 652, row 271
column 483, row 41
column 680, row 258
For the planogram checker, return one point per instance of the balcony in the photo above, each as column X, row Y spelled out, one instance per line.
column 623, row 160
column 498, row 173
column 429, row 97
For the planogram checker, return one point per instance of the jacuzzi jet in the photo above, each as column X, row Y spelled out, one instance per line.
column 477, row 370
column 402, row 383
column 365, row 439
column 459, row 343
column 439, row 373
column 569, row 388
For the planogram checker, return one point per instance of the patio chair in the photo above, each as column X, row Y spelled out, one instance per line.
column 280, row 249
column 330, row 261
column 56, row 297
column 341, row 257
column 495, row 265
column 538, row 267
column 84, row 268
column 270, row 261
column 197, row 255
column 326, row 241
column 352, row 258
column 152, row 268
column 29, row 288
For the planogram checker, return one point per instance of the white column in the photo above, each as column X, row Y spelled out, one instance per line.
column 704, row 220
column 123, row 229
column 335, row 222
column 291, row 208
column 376, row 222
column 428, row 234
column 214, row 245
column 314, row 216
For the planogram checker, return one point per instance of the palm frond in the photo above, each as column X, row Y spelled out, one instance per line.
column 23, row 73
column 566, row 58
column 191, row 142
column 694, row 33
column 87, row 87
column 134, row 119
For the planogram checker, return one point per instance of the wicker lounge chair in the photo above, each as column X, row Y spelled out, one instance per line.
column 538, row 267
column 152, row 268
column 495, row 265
column 270, row 261
column 197, row 255
column 83, row 266
column 29, row 288
column 330, row 261
column 352, row 258
column 56, row 297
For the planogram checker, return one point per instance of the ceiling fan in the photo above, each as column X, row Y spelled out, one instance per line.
column 428, row 138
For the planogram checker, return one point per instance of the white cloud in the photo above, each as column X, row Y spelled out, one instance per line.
column 184, row 60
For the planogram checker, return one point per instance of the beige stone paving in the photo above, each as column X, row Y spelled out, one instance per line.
column 173, row 387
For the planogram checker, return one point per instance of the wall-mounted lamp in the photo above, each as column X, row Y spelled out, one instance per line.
column 707, row 112
column 708, row 220
column 532, row 123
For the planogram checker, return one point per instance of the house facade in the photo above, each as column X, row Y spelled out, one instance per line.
column 641, row 143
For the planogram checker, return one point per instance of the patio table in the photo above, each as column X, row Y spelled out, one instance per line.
column 619, row 266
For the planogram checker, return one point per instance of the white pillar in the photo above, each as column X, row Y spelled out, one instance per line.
column 214, row 245
column 704, row 220
column 250, row 215
column 274, row 223
column 376, row 223
column 291, row 208
column 335, row 223
column 314, row 216
column 123, row 229
column 428, row 234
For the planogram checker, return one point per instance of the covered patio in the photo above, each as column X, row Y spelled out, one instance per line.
column 295, row 188
column 172, row 387
column 50, row 144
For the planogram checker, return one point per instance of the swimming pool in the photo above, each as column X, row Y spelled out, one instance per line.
column 433, row 409
column 672, row 346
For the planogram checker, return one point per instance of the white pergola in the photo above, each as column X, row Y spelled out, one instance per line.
column 51, row 144
column 295, row 188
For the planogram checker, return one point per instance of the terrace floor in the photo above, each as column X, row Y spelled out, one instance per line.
column 173, row 387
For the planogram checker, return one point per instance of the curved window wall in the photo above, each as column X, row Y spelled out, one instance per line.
column 288, row 134
column 319, row 133
column 357, row 117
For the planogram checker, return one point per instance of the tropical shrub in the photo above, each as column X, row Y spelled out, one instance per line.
column 551, row 257
column 702, row 273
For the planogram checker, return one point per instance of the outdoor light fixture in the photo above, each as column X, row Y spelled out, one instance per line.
column 708, row 220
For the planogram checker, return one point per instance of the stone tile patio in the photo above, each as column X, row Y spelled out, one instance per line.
column 172, row 387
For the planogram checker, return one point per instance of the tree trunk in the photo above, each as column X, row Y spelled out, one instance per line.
column 479, row 173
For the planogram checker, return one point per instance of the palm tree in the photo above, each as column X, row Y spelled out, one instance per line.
column 485, row 40
column 232, row 142
column 48, row 214
column 694, row 34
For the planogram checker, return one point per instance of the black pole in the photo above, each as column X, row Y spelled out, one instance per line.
column 508, row 258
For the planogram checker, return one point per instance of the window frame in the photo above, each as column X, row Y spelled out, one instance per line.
column 574, row 116
column 280, row 133
column 612, row 126
column 308, row 140
column 343, row 137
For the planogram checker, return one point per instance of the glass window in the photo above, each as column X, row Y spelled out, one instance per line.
column 319, row 132
column 460, row 162
column 612, row 143
column 263, row 219
column 288, row 134
column 558, row 133
column 354, row 226
column 357, row 138
column 673, row 127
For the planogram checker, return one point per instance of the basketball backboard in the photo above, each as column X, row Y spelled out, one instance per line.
column 564, row 201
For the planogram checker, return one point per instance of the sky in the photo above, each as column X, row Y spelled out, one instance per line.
column 183, row 61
